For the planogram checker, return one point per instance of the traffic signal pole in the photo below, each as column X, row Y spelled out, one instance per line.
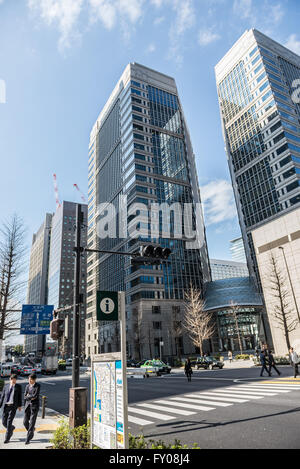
column 76, row 308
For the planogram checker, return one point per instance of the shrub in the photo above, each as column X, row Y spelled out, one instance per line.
column 65, row 437
column 242, row 356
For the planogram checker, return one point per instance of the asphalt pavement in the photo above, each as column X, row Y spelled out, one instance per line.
column 229, row 408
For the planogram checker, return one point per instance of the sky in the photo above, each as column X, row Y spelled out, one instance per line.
column 60, row 60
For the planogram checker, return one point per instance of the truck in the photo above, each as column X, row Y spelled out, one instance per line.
column 49, row 365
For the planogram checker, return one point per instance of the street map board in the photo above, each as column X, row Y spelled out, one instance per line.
column 36, row 319
column 109, row 424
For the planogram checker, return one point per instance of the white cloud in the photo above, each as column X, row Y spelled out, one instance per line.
column 293, row 44
column 108, row 11
column 218, row 202
column 158, row 20
column 207, row 36
column 185, row 18
column 151, row 48
column 63, row 13
column 243, row 8
column 157, row 3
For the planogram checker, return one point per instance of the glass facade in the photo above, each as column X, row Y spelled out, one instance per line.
column 142, row 153
column 261, row 125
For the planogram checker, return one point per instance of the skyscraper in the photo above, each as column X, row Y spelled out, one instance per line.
column 140, row 148
column 221, row 269
column 237, row 250
column 61, row 270
column 37, row 290
column 260, row 117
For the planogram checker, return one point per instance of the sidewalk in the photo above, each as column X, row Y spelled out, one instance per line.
column 44, row 430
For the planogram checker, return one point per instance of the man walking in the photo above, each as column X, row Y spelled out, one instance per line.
column 272, row 363
column 294, row 359
column 32, row 405
column 188, row 369
column 263, row 363
column 11, row 400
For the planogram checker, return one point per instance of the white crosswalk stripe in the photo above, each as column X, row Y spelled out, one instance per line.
column 216, row 397
column 254, row 392
column 138, row 421
column 201, row 400
column 262, row 388
column 185, row 406
column 163, row 409
column 205, row 401
column 242, row 394
column 154, row 415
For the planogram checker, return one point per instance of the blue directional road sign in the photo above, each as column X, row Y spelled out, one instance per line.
column 36, row 319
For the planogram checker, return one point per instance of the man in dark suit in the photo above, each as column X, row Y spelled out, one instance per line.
column 263, row 361
column 32, row 405
column 11, row 400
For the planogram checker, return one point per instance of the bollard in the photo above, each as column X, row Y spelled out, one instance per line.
column 44, row 401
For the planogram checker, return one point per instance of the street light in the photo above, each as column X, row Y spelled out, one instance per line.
column 288, row 272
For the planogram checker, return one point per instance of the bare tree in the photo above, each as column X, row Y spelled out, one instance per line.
column 234, row 309
column 281, row 309
column 198, row 323
column 11, row 268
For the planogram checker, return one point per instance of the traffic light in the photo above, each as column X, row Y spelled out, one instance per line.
column 56, row 328
column 150, row 254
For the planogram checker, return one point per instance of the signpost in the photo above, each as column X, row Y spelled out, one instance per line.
column 109, row 398
column 36, row 319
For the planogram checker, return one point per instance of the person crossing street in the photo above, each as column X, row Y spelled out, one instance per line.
column 294, row 359
column 263, row 361
column 188, row 369
column 272, row 363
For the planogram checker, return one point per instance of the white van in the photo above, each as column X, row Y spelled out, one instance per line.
column 5, row 370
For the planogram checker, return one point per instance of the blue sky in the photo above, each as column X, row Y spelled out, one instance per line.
column 60, row 59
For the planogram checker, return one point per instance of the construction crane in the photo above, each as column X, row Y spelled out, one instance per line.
column 58, row 204
column 81, row 193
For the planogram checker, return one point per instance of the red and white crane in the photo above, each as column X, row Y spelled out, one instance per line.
column 58, row 204
column 81, row 193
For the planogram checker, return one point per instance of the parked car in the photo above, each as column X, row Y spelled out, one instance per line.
column 139, row 364
column 16, row 368
column 26, row 371
column 132, row 364
column 162, row 367
column 5, row 370
column 208, row 363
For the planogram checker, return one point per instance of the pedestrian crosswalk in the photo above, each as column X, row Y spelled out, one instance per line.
column 172, row 408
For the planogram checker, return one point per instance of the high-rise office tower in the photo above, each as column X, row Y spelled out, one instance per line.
column 260, row 114
column 61, row 270
column 237, row 250
column 221, row 269
column 37, row 290
column 140, row 148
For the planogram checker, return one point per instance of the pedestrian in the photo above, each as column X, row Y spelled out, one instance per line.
column 294, row 359
column 11, row 400
column 230, row 356
column 32, row 405
column 188, row 369
column 263, row 363
column 272, row 363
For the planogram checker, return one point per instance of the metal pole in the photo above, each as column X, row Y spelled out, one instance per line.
column 76, row 308
column 122, row 317
column 288, row 272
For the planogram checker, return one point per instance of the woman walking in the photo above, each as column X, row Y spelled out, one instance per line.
column 188, row 369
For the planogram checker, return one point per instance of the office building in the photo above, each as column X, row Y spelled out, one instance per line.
column 238, row 309
column 277, row 248
column 37, row 289
column 260, row 118
column 140, row 148
column 221, row 269
column 61, row 271
column 237, row 250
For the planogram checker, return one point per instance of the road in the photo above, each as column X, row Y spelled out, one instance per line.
column 218, row 409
